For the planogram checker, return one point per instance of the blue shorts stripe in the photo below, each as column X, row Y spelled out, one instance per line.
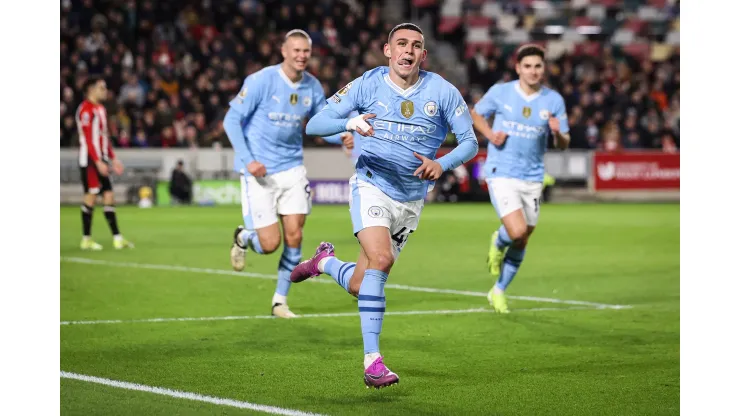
column 356, row 210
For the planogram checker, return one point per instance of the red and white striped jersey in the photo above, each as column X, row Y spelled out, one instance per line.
column 92, row 124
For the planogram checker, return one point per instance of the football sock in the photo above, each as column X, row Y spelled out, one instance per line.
column 339, row 270
column 290, row 258
column 503, row 240
column 251, row 240
column 87, row 212
column 512, row 261
column 371, row 303
column 110, row 216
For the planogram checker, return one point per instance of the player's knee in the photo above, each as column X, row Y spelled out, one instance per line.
column 381, row 260
column 517, row 233
column 108, row 198
column 520, row 244
column 293, row 238
column 269, row 243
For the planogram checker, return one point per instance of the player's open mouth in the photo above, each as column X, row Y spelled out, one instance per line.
column 405, row 63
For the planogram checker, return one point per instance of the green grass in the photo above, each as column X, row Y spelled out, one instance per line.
column 563, row 362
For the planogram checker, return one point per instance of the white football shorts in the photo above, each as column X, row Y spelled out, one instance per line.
column 282, row 193
column 509, row 194
column 371, row 207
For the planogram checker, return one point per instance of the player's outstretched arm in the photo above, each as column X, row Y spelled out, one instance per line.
column 457, row 116
column 466, row 149
column 328, row 122
column 325, row 123
column 342, row 138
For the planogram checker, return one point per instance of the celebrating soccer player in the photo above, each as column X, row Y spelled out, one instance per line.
column 404, row 115
column 526, row 112
column 264, row 125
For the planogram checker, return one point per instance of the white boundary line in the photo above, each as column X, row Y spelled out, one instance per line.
column 314, row 315
column 186, row 395
column 169, row 267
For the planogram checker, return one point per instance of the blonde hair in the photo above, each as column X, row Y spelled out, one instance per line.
column 298, row 33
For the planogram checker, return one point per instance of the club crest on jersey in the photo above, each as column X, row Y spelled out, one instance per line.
column 407, row 109
column 345, row 89
column 307, row 101
column 243, row 92
column 526, row 112
column 430, row 109
column 544, row 114
column 293, row 99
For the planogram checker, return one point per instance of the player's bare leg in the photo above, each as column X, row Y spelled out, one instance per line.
column 366, row 280
column 505, row 256
column 109, row 209
column 264, row 240
column 87, row 208
column 291, row 256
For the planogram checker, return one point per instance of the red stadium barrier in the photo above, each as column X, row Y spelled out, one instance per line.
column 636, row 171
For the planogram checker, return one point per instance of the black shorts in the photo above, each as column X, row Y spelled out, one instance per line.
column 93, row 182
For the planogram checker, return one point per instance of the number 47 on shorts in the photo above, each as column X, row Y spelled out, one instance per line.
column 401, row 236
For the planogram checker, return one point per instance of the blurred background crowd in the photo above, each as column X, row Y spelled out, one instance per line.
column 173, row 66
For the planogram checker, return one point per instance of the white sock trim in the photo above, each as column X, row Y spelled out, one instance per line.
column 370, row 358
column 277, row 298
column 322, row 264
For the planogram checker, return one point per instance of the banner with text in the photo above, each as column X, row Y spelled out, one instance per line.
column 228, row 192
column 638, row 171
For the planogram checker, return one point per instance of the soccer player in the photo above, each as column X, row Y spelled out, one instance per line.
column 265, row 126
column 404, row 118
column 526, row 112
column 96, row 155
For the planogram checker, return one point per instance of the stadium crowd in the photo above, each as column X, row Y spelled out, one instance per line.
column 172, row 67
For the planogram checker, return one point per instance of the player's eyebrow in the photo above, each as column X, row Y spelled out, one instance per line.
column 406, row 40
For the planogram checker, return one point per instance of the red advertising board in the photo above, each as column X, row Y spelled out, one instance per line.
column 636, row 171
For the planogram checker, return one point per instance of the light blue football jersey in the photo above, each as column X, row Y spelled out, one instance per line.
column 273, row 110
column 413, row 120
column 525, row 119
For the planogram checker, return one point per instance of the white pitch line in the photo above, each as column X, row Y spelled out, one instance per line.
column 169, row 267
column 186, row 395
column 311, row 315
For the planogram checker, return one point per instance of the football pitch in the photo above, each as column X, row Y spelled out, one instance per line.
column 168, row 328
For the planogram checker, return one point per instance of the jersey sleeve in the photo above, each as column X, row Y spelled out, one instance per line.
column 348, row 98
column 487, row 105
column 561, row 114
column 249, row 97
column 456, row 113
